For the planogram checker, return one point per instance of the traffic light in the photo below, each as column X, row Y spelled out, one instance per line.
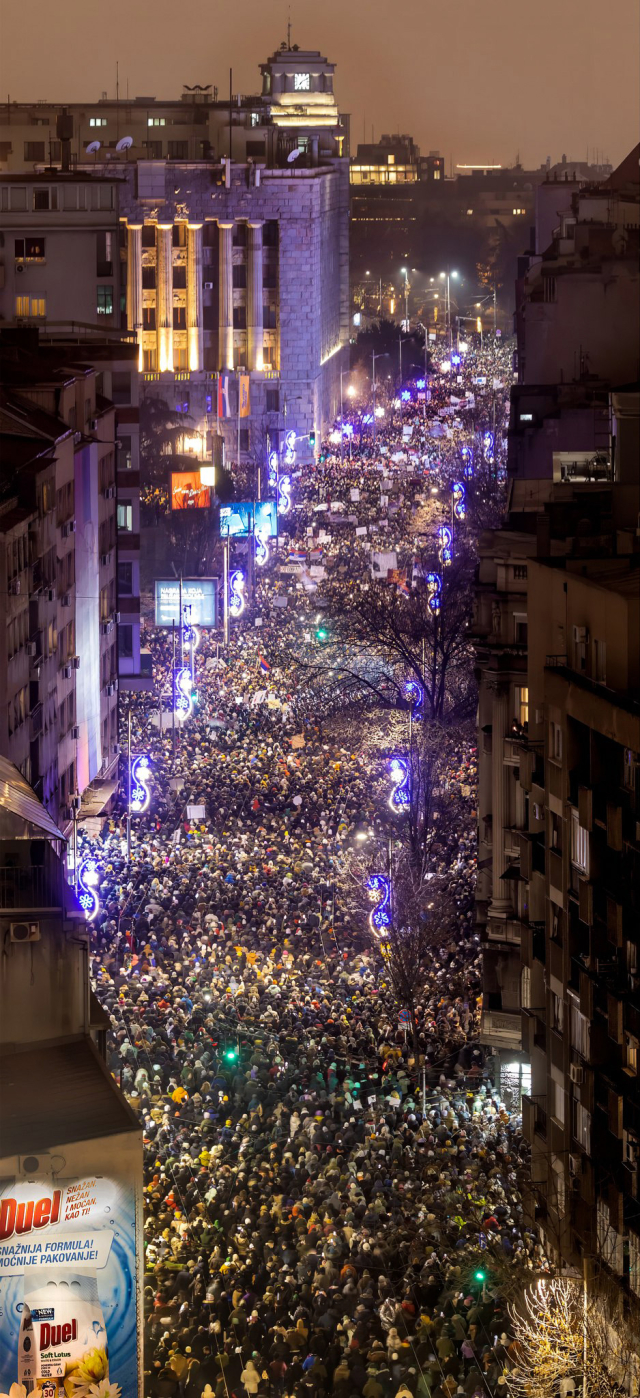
column 230, row 1055
column 480, row 1276
column 312, row 440
column 321, row 634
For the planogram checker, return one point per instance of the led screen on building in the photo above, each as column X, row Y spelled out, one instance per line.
column 236, row 520
column 266, row 517
column 200, row 594
column 188, row 492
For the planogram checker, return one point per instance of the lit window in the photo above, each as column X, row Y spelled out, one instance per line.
column 555, row 742
column 125, row 517
column 391, row 160
column 580, row 1029
column 436, row 174
column 558, row 1103
column 557, row 1013
column 156, row 121
column 22, row 305
column 525, row 988
column 97, row 121
column 631, row 1053
column 522, row 705
column 629, row 769
column 469, row 211
column 104, row 305
column 579, row 844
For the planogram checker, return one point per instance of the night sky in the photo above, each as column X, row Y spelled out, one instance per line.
column 480, row 80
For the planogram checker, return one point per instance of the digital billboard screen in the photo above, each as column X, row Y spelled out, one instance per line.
column 201, row 594
column 266, row 517
column 188, row 492
column 236, row 520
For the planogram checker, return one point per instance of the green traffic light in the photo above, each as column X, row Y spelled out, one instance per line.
column 230, row 1055
column 480, row 1276
column 321, row 635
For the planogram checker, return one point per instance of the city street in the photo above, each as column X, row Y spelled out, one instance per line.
column 326, row 1208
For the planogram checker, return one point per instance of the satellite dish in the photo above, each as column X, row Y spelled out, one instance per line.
column 293, row 156
column 93, row 147
column 125, row 143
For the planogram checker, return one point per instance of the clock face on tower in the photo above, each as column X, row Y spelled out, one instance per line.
column 301, row 82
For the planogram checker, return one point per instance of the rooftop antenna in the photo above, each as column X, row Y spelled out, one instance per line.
column 117, row 81
column 289, row 28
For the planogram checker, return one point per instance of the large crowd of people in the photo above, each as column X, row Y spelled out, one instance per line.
column 330, row 1207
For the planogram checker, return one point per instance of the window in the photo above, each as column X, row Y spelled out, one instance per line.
column 29, row 249
column 156, row 121
column 580, row 1029
column 104, row 262
column 255, row 118
column 148, row 317
column 301, row 82
column 634, row 1262
column 45, row 199
column 519, row 571
column 555, row 742
column 239, row 275
column 22, row 305
column 557, row 1013
column 180, row 317
column 600, row 661
column 629, row 770
column 149, row 278
column 244, row 439
column 180, row 358
column 125, row 518
column 582, row 1126
column 34, row 150
column 120, row 387
column 179, row 235
column 154, row 150
column 239, row 317
column 549, row 284
column 123, row 452
column 558, row 1103
column 610, row 1242
column 149, row 359
column 178, row 150
column 436, row 174
column 525, row 988
column 520, row 628
column 104, row 306
column 273, row 400
column 125, row 642
column 579, row 844
column 269, row 320
column 18, row 199
column 125, row 579
column 631, row 1053
column 97, row 121
column 522, row 705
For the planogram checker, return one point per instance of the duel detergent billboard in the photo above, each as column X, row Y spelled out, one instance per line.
column 69, row 1288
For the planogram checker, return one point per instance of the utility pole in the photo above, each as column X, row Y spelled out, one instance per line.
column 129, row 781
column 225, row 589
column 173, row 690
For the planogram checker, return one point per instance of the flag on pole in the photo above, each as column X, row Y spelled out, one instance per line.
column 244, row 407
column 263, row 664
column 224, row 407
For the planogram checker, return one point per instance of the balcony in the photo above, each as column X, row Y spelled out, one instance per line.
column 502, row 1028
column 534, row 1116
column 31, row 887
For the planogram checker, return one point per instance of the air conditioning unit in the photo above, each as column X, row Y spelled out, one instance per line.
column 68, row 528
column 51, row 594
column 24, row 931
column 105, row 559
column 576, row 1073
column 111, row 688
column 14, row 587
column 116, row 617
column 208, row 286
column 76, row 662
column 580, row 635
column 575, row 1164
column 115, row 749
column 107, row 627
column 94, row 424
column 67, row 671
column 19, row 266
column 110, row 492
column 65, row 600
column 75, row 732
column 75, row 802
column 31, row 648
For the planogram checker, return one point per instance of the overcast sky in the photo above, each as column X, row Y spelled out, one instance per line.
column 480, row 80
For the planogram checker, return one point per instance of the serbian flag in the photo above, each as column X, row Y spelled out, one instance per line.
column 224, row 407
column 401, row 585
column 263, row 664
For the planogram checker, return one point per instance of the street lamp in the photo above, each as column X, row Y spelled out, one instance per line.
column 373, row 386
column 449, row 277
column 350, row 392
column 405, row 273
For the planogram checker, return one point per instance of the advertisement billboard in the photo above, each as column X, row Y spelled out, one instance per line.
column 200, row 594
column 236, row 520
column 70, row 1315
column 188, row 492
column 266, row 518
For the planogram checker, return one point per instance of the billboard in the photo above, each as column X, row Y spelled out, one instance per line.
column 188, row 492
column 236, row 520
column 70, row 1312
column 201, row 594
column 266, row 518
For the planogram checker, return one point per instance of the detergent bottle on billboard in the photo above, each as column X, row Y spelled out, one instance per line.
column 62, row 1345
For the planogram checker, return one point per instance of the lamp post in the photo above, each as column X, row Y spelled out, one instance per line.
column 449, row 276
column 405, row 273
column 373, row 386
column 350, row 392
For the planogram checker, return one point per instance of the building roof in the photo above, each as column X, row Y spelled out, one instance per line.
column 19, row 799
column 627, row 172
column 57, row 1094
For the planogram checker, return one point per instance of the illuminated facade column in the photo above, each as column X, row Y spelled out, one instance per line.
column 195, row 336
column 255, row 337
column 134, row 283
column 225, row 322
column 500, row 904
column 164, row 296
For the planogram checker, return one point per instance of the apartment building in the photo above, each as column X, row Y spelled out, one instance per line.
column 59, row 530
